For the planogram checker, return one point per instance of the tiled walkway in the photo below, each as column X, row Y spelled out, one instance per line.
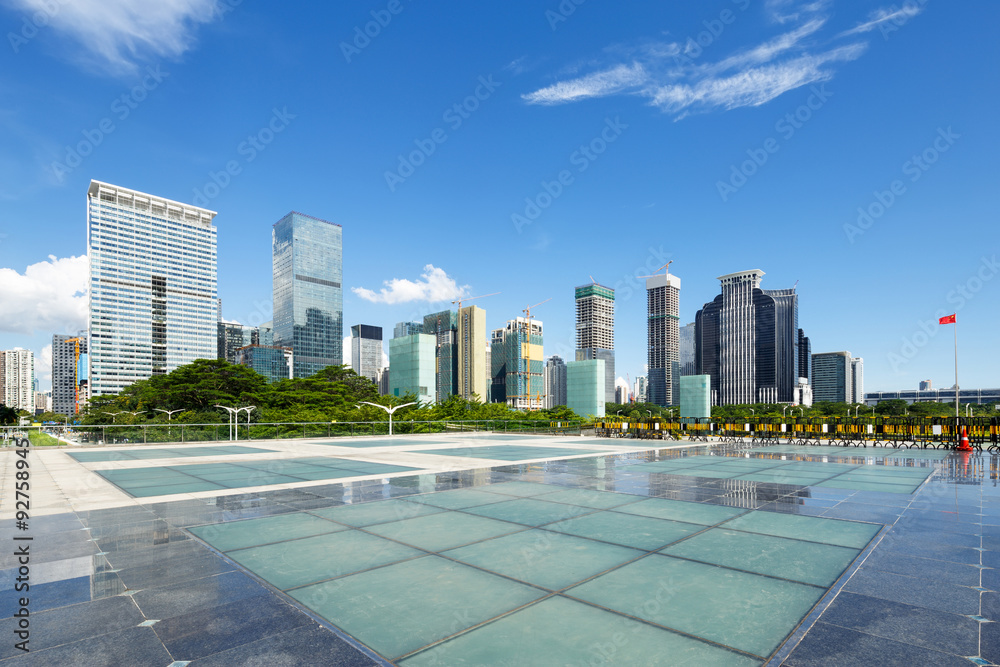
column 707, row 555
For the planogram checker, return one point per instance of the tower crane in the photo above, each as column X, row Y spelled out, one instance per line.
column 472, row 298
column 655, row 273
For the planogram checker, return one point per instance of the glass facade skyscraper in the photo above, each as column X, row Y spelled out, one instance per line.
column 595, row 330
column 366, row 350
column 153, row 299
column 307, row 263
column 663, row 330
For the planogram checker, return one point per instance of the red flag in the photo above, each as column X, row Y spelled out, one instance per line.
column 948, row 319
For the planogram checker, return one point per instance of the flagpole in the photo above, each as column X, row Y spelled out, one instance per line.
column 956, row 371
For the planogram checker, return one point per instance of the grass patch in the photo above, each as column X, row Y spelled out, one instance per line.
column 39, row 439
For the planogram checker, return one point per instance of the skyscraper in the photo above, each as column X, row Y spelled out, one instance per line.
column 307, row 264
column 232, row 336
column 274, row 363
column 595, row 331
column 517, row 355
column 444, row 327
column 411, row 366
column 833, row 377
column 19, row 379
column 473, row 373
column 153, row 301
column 67, row 385
column 366, row 350
column 857, row 380
column 555, row 382
column 686, row 348
column 747, row 340
column 663, row 321
column 407, row 328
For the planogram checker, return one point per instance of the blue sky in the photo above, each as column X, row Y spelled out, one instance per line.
column 523, row 147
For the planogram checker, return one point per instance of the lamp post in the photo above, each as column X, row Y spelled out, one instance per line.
column 233, row 412
column 113, row 415
column 783, row 412
column 249, row 409
column 389, row 410
column 617, row 414
column 752, row 412
column 170, row 413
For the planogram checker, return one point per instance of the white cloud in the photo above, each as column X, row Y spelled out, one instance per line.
column 880, row 16
column 677, row 82
column 43, row 366
column 117, row 33
column 50, row 297
column 433, row 285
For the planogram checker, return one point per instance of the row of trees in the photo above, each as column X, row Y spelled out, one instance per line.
column 333, row 394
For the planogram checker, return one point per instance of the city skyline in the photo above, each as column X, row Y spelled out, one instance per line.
column 564, row 147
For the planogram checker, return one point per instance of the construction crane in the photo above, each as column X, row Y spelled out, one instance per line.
column 472, row 298
column 526, row 354
column 655, row 273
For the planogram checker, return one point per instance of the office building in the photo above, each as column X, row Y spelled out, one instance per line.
column 407, row 329
column 443, row 326
column 43, row 402
column 273, row 362
column 976, row 396
column 232, row 336
column 69, row 376
column 663, row 335
column 383, row 381
column 18, row 379
column 696, row 397
column 747, row 340
column 366, row 350
column 686, row 348
column 857, row 380
column 833, row 377
column 307, row 266
column 621, row 394
column 473, row 374
column 585, row 387
column 805, row 358
column 595, row 330
column 554, row 382
column 412, row 366
column 153, row 302
column 639, row 389
column 517, row 357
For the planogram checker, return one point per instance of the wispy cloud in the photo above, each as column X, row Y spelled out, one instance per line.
column 671, row 79
column 49, row 296
column 115, row 35
column 880, row 16
column 433, row 285
column 788, row 11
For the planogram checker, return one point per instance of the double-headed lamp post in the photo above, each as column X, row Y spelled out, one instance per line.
column 233, row 412
column 249, row 409
column 389, row 410
column 170, row 413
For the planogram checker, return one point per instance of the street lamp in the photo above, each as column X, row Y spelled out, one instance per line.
column 618, row 413
column 233, row 412
column 170, row 413
column 650, row 413
column 389, row 410
column 113, row 415
column 249, row 409
column 753, row 412
column 783, row 411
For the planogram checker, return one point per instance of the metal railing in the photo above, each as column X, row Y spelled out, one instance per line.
column 126, row 434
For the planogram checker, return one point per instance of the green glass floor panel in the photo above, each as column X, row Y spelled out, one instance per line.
column 262, row 480
column 543, row 558
column 882, row 474
column 509, row 452
column 852, row 534
column 630, row 530
column 329, row 474
column 445, row 530
column 931, row 454
column 529, row 511
column 558, row 631
column 745, row 611
column 521, row 489
column 253, row 532
column 805, row 562
column 313, row 559
column 679, row 510
column 164, row 453
column 868, row 486
column 709, row 473
column 790, row 478
column 400, row 608
column 381, row 511
column 594, row 499
column 457, row 499
column 149, row 491
column 383, row 469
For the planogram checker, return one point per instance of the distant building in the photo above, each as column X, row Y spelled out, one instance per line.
column 805, row 358
column 407, row 329
column 232, row 336
column 43, row 402
column 640, row 389
column 926, row 385
column 803, row 394
column 832, row 377
column 272, row 361
column 383, row 382
column 663, row 353
column 696, row 397
column 686, row 348
column 517, row 379
column 621, row 394
column 473, row 376
column 411, row 366
column 857, row 380
column 595, row 330
column 69, row 384
column 366, row 350
column 977, row 396
column 307, row 267
column 444, row 327
column 747, row 340
column 19, row 379
column 585, row 387
column 153, row 300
